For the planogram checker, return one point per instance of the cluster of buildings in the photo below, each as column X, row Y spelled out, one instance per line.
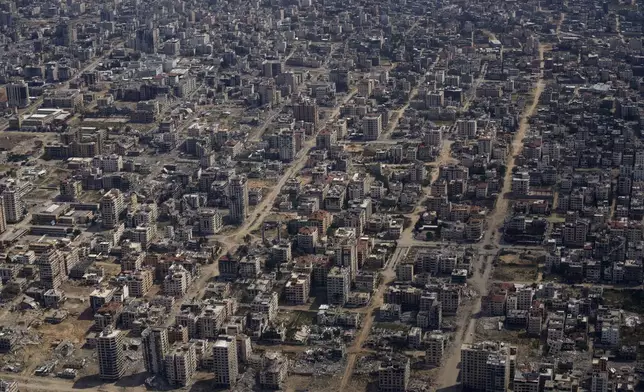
column 196, row 168
column 144, row 184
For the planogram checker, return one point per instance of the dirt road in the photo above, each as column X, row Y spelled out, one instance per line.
column 562, row 17
column 497, row 217
column 51, row 384
column 618, row 28
column 444, row 158
column 388, row 275
column 449, row 377
column 412, row 95
column 475, row 86
column 264, row 208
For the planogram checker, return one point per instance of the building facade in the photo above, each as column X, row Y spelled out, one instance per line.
column 111, row 359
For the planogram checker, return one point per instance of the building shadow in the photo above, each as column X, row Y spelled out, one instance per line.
column 372, row 386
column 86, row 315
column 132, row 380
column 94, row 381
column 204, row 385
column 208, row 386
column 88, row 382
column 453, row 388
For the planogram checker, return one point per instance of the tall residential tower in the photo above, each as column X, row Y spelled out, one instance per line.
column 238, row 192
column 155, row 348
column 111, row 359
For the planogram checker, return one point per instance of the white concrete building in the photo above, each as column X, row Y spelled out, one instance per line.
column 177, row 281
column 610, row 335
column 111, row 359
column 225, row 361
column 393, row 375
column 297, row 289
column 112, row 204
column 210, row 222
column 181, row 365
column 372, row 126
column 338, row 286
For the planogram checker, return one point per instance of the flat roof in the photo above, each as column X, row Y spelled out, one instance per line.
column 105, row 120
column 52, row 208
column 222, row 343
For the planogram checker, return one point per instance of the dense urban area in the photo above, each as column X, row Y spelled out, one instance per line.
column 321, row 195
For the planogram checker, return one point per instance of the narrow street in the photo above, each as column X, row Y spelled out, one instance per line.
column 475, row 86
column 388, row 275
column 412, row 95
column 618, row 28
column 444, row 158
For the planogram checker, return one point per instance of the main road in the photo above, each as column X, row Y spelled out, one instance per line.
column 448, row 378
